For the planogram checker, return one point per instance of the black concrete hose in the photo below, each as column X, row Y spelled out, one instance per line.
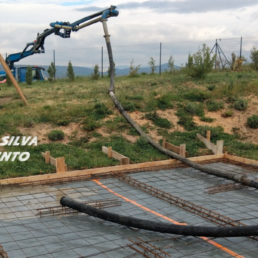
column 160, row 226
column 232, row 176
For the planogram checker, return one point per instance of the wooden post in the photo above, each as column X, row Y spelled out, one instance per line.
column 220, row 147
column 109, row 152
column 124, row 161
column 60, row 165
column 208, row 135
column 47, row 156
column 182, row 150
column 10, row 75
column 164, row 143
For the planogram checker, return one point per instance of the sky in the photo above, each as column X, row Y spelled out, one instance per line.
column 182, row 26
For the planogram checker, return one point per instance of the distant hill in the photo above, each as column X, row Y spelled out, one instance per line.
column 85, row 71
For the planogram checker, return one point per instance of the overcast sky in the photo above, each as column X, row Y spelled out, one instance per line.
column 181, row 25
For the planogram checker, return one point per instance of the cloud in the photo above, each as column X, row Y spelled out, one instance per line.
column 187, row 6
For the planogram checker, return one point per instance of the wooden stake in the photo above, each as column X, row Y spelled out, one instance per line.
column 182, row 150
column 164, row 143
column 220, row 147
column 10, row 75
column 60, row 165
column 208, row 135
column 47, row 156
column 109, row 152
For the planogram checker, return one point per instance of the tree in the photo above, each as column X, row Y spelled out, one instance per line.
column 236, row 62
column 110, row 71
column 254, row 58
column 51, row 71
column 28, row 77
column 171, row 64
column 152, row 65
column 134, row 69
column 95, row 74
column 200, row 63
column 70, row 73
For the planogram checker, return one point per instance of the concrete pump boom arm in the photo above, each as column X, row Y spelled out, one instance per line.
column 37, row 46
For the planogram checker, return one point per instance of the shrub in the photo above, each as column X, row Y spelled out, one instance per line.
column 89, row 124
column 171, row 64
column 51, row 71
column 62, row 122
column 157, row 120
column 70, row 73
column 185, row 119
column 194, row 109
column 95, row 74
column 207, row 119
column 152, row 65
column 240, row 104
column 164, row 102
column 228, row 113
column 129, row 106
column 8, row 80
column 109, row 71
column 56, row 135
column 214, row 105
column 143, row 73
column 252, row 121
column 211, row 87
column 100, row 111
column 200, row 64
column 142, row 142
column 196, row 95
column 254, row 58
column 29, row 75
column 134, row 69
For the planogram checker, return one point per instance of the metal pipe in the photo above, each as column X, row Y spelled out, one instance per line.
column 88, row 24
column 160, row 226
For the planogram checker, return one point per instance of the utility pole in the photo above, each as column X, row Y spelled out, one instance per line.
column 240, row 47
column 54, row 59
column 102, row 61
column 160, row 58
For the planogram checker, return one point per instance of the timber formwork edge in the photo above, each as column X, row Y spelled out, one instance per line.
column 89, row 174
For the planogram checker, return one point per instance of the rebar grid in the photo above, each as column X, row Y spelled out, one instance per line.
column 62, row 210
column 181, row 203
column 3, row 252
column 224, row 188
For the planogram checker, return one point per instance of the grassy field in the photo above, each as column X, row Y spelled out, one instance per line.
column 85, row 103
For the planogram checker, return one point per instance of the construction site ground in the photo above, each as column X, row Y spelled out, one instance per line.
column 26, row 233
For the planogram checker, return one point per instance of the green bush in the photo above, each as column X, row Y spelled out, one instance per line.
column 214, row 105
column 185, row 119
column 100, row 111
column 56, row 135
column 70, row 73
column 240, row 104
column 164, row 102
column 207, row 119
column 252, row 121
column 90, row 124
column 51, row 71
column 134, row 69
column 28, row 77
column 152, row 65
column 228, row 113
column 95, row 75
column 196, row 95
column 129, row 106
column 211, row 87
column 194, row 109
column 200, row 63
column 62, row 122
column 157, row 120
column 254, row 58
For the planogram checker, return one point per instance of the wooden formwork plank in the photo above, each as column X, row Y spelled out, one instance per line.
column 96, row 171
column 182, row 150
column 208, row 144
column 241, row 159
column 60, row 165
column 52, row 161
column 115, row 155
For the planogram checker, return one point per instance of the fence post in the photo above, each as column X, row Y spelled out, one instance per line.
column 241, row 47
column 54, row 59
column 102, row 61
column 160, row 58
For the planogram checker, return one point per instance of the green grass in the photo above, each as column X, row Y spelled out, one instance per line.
column 87, row 103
